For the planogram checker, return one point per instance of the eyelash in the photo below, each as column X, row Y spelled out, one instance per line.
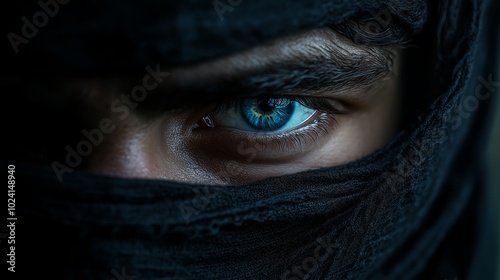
column 299, row 139
column 320, row 104
column 291, row 142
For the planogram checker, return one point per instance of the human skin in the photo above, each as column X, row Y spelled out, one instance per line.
column 179, row 145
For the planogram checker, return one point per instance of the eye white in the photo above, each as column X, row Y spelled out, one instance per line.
column 232, row 117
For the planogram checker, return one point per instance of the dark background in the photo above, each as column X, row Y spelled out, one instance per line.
column 494, row 160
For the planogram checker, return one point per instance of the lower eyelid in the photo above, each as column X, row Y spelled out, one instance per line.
column 242, row 146
column 264, row 133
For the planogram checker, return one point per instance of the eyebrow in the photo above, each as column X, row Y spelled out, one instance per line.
column 322, row 69
column 336, row 76
column 309, row 78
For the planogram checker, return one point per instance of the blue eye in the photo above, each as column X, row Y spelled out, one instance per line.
column 267, row 114
column 263, row 114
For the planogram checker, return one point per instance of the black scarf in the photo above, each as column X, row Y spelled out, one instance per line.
column 413, row 209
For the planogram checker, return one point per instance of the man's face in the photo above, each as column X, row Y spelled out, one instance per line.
column 311, row 100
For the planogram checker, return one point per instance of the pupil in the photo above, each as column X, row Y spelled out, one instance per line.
column 267, row 113
column 266, row 106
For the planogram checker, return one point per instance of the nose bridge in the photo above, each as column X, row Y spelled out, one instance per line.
column 136, row 151
column 121, row 154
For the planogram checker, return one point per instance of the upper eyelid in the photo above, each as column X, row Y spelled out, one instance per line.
column 340, row 74
column 311, row 102
column 286, row 82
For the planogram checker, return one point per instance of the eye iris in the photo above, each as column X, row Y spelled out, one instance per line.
column 267, row 113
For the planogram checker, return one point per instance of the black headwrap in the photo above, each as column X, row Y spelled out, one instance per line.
column 413, row 209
